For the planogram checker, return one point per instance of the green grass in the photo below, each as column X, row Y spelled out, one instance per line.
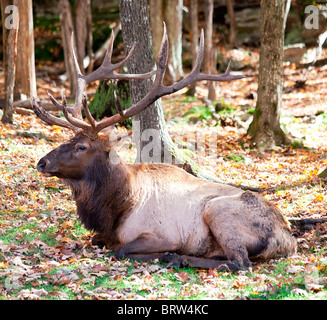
column 41, row 236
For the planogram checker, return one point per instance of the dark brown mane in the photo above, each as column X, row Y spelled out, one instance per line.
column 102, row 196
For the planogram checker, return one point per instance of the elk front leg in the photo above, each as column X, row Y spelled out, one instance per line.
column 98, row 240
column 144, row 248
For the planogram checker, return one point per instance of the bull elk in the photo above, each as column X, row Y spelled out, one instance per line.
column 147, row 211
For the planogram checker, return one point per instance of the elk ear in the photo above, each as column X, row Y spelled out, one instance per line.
column 111, row 138
column 107, row 131
column 114, row 140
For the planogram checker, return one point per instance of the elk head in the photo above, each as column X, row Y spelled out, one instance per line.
column 72, row 159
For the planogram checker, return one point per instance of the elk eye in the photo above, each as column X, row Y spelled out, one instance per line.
column 82, row 148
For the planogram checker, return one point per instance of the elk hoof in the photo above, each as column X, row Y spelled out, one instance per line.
column 174, row 260
column 120, row 253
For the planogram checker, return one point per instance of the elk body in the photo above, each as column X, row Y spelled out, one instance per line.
column 147, row 211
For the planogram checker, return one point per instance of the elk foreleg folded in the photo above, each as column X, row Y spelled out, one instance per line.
column 145, row 247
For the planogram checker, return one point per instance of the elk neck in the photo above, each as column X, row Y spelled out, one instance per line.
column 102, row 196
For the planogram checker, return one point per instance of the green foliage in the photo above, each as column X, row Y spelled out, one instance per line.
column 250, row 111
column 104, row 104
column 298, row 144
column 238, row 158
column 234, row 157
column 200, row 113
column 223, row 107
column 203, row 112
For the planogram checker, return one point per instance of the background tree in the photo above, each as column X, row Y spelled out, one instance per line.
column 195, row 37
column 265, row 128
column 67, row 28
column 134, row 17
column 82, row 33
column 156, row 18
column 10, row 33
column 170, row 11
column 25, row 80
column 232, row 22
column 210, row 53
column 81, row 30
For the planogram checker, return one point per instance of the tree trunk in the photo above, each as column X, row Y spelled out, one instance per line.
column 25, row 86
column 171, row 12
column 135, row 26
column 67, row 27
column 10, row 50
column 81, row 30
column 173, row 15
column 156, row 21
column 209, row 51
column 89, row 22
column 195, row 39
column 265, row 128
column 232, row 22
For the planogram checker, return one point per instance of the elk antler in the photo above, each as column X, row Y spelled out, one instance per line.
column 159, row 89
column 105, row 71
column 73, row 114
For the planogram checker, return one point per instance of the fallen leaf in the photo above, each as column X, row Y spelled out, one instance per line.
column 314, row 287
column 182, row 276
column 294, row 269
column 68, row 224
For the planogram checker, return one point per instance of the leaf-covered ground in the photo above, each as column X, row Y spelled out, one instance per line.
column 45, row 253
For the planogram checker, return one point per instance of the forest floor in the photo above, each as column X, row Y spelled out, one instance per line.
column 45, row 252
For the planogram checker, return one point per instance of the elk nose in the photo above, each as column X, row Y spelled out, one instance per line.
column 41, row 165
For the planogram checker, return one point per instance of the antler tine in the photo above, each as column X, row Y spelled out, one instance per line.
column 54, row 101
column 199, row 57
column 162, row 58
column 87, row 112
column 50, row 119
column 76, row 65
column 104, row 72
column 74, row 121
column 118, row 105
column 195, row 75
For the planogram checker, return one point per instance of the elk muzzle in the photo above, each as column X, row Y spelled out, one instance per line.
column 43, row 166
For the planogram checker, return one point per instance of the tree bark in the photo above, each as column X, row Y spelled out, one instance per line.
column 265, row 128
column 232, row 22
column 173, row 15
column 156, row 21
column 81, row 30
column 209, row 51
column 67, row 28
column 136, row 28
column 10, row 43
column 89, row 22
column 195, row 38
column 25, row 82
column 171, row 12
